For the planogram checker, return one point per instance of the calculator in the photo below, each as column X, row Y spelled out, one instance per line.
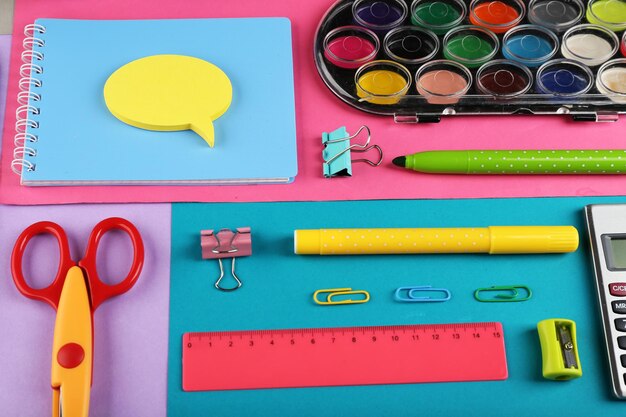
column 606, row 225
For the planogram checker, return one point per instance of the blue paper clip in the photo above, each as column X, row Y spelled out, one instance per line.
column 413, row 294
column 337, row 152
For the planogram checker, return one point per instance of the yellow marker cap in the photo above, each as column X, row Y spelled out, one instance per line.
column 533, row 239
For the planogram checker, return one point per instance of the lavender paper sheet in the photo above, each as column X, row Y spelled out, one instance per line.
column 131, row 331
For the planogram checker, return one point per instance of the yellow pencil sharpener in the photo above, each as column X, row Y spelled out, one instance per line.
column 559, row 349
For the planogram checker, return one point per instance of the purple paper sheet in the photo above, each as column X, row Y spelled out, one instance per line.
column 5, row 54
column 130, row 365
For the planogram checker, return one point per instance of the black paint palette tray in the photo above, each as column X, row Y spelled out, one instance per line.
column 423, row 59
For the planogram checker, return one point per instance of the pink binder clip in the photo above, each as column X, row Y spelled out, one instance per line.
column 226, row 244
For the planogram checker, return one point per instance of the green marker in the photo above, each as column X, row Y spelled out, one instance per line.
column 483, row 162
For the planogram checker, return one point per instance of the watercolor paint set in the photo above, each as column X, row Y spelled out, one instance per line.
column 420, row 60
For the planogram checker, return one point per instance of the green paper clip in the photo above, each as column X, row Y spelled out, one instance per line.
column 559, row 350
column 504, row 294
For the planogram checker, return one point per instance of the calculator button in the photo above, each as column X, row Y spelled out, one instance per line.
column 619, row 307
column 623, row 359
column 620, row 325
column 621, row 342
column 618, row 289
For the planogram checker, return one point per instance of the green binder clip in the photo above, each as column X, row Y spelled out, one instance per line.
column 559, row 350
column 503, row 294
column 337, row 152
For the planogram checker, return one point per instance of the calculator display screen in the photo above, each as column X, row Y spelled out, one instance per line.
column 615, row 248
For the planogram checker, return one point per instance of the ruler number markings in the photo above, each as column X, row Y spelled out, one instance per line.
column 313, row 337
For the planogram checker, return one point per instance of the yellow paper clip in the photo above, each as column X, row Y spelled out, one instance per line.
column 336, row 292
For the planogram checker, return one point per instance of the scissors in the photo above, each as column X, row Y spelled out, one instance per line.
column 75, row 294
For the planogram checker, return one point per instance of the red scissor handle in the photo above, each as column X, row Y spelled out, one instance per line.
column 99, row 290
column 52, row 292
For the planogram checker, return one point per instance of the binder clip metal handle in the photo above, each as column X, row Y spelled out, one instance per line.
column 232, row 271
column 337, row 152
column 226, row 244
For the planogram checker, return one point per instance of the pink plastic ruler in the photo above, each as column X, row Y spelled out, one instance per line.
column 343, row 356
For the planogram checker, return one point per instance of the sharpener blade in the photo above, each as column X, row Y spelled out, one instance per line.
column 567, row 346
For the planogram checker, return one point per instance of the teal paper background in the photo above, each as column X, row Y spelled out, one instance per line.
column 277, row 294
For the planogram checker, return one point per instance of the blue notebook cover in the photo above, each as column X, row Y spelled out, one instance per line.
column 81, row 142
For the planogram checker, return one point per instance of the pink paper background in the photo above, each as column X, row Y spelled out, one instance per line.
column 319, row 110
column 5, row 49
column 130, row 352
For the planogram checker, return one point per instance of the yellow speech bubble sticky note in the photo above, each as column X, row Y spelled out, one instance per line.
column 168, row 93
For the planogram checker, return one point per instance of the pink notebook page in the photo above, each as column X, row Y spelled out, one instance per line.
column 5, row 47
column 319, row 110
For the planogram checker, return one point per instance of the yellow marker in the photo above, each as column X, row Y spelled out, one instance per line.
column 492, row 239
column 169, row 93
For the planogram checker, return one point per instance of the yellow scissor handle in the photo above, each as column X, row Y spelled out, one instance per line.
column 72, row 348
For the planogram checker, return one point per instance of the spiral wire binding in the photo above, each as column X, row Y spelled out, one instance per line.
column 26, row 98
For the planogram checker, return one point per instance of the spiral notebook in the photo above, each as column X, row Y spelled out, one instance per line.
column 67, row 136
